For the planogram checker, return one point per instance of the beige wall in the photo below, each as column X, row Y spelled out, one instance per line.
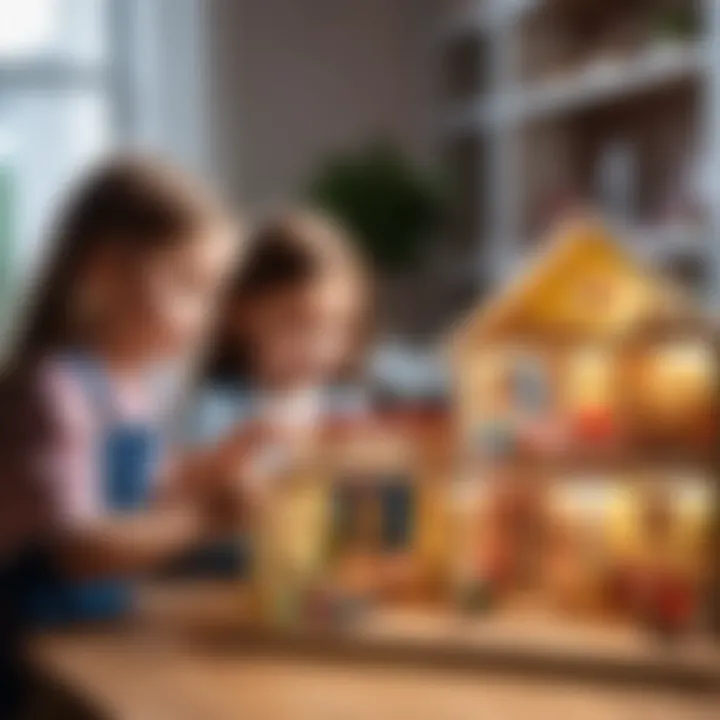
column 293, row 80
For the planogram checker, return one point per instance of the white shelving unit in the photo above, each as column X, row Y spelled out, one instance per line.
column 605, row 81
column 502, row 112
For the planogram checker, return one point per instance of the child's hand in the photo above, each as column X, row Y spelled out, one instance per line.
column 242, row 469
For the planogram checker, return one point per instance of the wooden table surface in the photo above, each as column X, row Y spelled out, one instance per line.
column 157, row 668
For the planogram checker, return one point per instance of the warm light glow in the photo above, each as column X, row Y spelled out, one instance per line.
column 589, row 377
column 678, row 378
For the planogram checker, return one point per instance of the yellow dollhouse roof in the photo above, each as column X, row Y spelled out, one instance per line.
column 583, row 284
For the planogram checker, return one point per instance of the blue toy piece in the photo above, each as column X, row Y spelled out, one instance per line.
column 530, row 385
column 497, row 439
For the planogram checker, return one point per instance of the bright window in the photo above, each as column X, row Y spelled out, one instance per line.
column 55, row 116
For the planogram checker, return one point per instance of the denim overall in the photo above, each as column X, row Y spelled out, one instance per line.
column 34, row 594
column 128, row 454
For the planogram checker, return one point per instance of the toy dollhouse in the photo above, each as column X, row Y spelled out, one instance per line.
column 562, row 510
column 358, row 525
column 587, row 420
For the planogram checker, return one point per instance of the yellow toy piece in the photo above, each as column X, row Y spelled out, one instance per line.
column 289, row 546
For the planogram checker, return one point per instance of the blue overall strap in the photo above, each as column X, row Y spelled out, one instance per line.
column 129, row 451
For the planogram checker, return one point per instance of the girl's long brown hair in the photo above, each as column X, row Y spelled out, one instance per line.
column 137, row 203
column 292, row 248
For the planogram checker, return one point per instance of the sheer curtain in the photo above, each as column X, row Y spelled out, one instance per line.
column 54, row 115
column 78, row 79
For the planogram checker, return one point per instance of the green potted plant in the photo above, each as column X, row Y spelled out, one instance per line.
column 391, row 205
column 676, row 22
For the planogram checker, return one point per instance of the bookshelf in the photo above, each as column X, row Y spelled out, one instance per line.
column 555, row 112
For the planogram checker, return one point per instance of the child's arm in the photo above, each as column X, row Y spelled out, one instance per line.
column 126, row 545
column 206, row 493
column 218, row 477
column 46, row 495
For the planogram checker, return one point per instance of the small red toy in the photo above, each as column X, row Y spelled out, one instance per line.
column 595, row 426
column 673, row 604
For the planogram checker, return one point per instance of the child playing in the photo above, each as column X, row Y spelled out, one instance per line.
column 291, row 325
column 137, row 268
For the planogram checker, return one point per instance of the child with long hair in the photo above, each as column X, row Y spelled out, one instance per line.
column 291, row 328
column 289, row 338
column 136, row 270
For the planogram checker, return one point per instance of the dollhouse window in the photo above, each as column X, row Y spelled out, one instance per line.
column 373, row 514
column 397, row 514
